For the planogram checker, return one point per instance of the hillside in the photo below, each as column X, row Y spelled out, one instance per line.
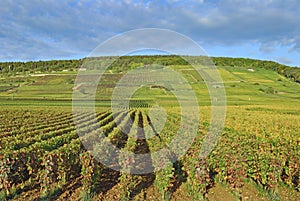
column 43, row 157
column 244, row 84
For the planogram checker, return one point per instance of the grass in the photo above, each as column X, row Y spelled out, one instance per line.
column 242, row 87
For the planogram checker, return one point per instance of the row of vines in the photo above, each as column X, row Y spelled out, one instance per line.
column 42, row 150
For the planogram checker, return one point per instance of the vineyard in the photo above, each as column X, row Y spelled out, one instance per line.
column 43, row 156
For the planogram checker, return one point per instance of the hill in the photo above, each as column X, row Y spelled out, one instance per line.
column 125, row 62
column 246, row 81
column 42, row 156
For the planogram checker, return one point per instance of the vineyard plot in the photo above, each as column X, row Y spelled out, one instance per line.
column 50, row 155
column 43, row 158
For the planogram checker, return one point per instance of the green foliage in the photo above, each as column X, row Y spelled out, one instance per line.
column 128, row 184
column 90, row 172
column 199, row 177
column 163, row 180
column 292, row 73
column 125, row 63
column 268, row 90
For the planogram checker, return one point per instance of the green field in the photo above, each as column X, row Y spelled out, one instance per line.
column 256, row 158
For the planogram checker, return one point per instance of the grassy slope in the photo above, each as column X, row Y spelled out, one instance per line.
column 242, row 87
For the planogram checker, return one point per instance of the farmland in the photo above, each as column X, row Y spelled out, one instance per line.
column 256, row 158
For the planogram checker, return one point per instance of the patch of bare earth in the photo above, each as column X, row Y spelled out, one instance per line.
column 146, row 194
column 287, row 194
column 219, row 192
column 249, row 192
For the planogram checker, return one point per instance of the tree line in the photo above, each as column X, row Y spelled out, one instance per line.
column 126, row 63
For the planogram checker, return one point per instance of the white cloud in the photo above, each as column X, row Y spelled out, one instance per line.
column 284, row 60
column 76, row 27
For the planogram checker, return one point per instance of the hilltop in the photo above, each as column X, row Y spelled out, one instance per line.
column 127, row 62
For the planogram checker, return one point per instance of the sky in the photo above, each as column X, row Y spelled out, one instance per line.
column 71, row 29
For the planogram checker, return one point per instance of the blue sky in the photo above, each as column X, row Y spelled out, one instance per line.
column 55, row 29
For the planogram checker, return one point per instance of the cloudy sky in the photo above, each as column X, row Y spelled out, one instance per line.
column 56, row 29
